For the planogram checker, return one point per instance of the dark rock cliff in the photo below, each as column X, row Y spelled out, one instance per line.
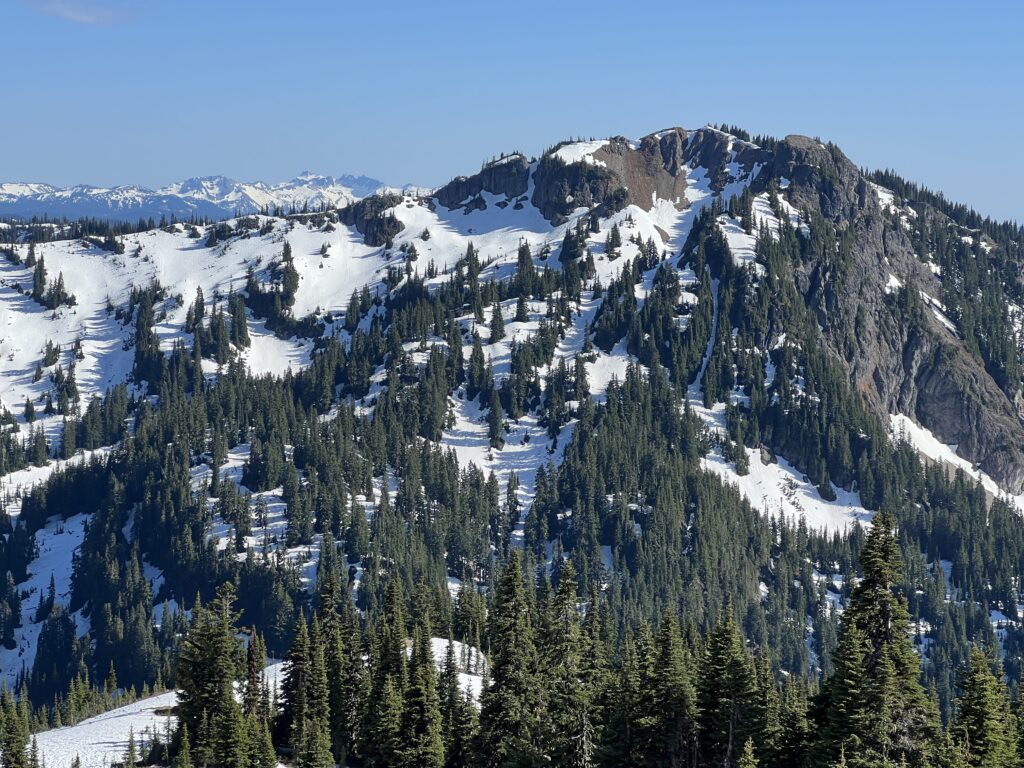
column 508, row 176
column 371, row 219
column 922, row 370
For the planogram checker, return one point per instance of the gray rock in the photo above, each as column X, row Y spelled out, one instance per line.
column 925, row 372
column 369, row 217
column 508, row 176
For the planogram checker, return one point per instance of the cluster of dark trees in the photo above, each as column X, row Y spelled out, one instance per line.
column 562, row 687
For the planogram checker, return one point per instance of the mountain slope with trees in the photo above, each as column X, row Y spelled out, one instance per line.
column 612, row 417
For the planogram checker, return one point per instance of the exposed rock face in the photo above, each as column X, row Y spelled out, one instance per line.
column 559, row 188
column 924, row 370
column 653, row 169
column 621, row 173
column 508, row 176
column 716, row 151
column 822, row 178
column 369, row 217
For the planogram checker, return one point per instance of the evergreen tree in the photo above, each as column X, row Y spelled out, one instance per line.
column 13, row 732
column 495, row 422
column 672, row 713
column 880, row 699
column 314, row 744
column 131, row 755
column 209, row 665
column 748, row 759
column 626, row 727
column 295, row 688
column 985, row 728
column 497, row 323
column 421, row 717
column 183, row 759
column 261, row 745
column 508, row 707
column 568, row 735
column 727, row 694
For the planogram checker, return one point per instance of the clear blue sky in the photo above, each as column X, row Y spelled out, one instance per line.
column 143, row 91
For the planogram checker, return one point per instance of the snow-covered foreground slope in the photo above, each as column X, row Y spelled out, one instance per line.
column 102, row 740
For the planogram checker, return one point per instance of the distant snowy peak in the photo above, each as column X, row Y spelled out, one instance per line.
column 360, row 186
column 209, row 196
column 12, row 190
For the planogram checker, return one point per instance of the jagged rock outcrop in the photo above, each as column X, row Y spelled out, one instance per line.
column 716, row 151
column 559, row 188
column 370, row 218
column 508, row 176
column 920, row 369
column 620, row 173
column 653, row 169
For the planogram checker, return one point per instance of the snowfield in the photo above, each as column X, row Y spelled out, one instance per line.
column 778, row 489
column 103, row 740
column 931, row 447
column 56, row 544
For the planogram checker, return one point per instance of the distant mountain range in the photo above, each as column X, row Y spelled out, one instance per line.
column 213, row 197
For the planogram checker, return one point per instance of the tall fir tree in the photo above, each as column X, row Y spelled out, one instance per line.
column 672, row 714
column 985, row 729
column 509, row 707
column 421, row 717
column 728, row 696
column 881, row 697
column 568, row 732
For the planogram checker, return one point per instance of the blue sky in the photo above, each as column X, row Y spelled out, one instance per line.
column 141, row 91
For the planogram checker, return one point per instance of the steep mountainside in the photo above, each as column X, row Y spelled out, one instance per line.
column 923, row 368
column 689, row 365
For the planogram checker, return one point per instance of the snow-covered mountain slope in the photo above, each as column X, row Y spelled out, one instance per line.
column 670, row 178
column 333, row 260
column 103, row 740
column 214, row 197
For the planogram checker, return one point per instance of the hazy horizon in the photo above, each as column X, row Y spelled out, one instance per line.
column 264, row 91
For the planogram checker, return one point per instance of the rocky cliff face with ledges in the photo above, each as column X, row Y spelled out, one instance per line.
column 924, row 371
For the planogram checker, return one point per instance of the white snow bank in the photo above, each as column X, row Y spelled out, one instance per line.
column 103, row 740
column 580, row 151
column 928, row 445
column 780, row 489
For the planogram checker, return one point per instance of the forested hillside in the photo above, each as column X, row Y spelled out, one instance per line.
column 698, row 450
